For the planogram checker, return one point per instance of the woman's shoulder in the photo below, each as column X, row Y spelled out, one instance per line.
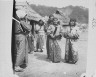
column 76, row 28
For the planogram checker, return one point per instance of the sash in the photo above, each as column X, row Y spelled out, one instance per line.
column 55, row 31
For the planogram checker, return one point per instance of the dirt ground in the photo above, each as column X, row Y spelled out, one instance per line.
column 39, row 66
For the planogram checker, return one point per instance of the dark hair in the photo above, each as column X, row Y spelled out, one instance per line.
column 72, row 20
column 41, row 22
column 51, row 16
column 50, row 21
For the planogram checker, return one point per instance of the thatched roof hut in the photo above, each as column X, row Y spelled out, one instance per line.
column 31, row 14
column 63, row 18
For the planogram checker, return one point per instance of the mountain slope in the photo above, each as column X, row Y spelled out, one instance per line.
column 78, row 12
column 43, row 10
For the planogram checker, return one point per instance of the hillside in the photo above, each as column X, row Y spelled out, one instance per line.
column 78, row 12
column 43, row 10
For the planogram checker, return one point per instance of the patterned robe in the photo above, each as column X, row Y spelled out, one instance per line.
column 21, row 43
column 71, row 47
column 54, row 51
column 30, row 42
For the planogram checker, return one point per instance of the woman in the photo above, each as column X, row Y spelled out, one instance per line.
column 30, row 43
column 54, row 35
column 40, row 36
column 30, row 38
column 49, row 22
column 22, row 30
column 71, row 55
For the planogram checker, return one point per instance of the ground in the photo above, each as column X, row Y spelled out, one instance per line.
column 39, row 66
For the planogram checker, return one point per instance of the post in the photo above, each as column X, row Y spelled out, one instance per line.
column 6, row 10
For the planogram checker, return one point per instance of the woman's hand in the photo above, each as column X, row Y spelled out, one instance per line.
column 52, row 35
column 58, row 37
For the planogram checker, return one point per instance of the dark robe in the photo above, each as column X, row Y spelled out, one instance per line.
column 53, row 48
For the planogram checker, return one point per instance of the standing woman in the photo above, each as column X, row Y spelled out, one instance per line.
column 40, row 37
column 53, row 37
column 49, row 22
column 71, row 54
column 29, row 38
column 21, row 45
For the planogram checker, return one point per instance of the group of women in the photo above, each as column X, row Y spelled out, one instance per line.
column 54, row 33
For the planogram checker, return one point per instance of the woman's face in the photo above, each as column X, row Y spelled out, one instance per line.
column 41, row 23
column 55, row 22
column 51, row 18
column 72, row 23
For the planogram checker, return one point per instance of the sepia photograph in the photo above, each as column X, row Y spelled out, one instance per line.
column 50, row 38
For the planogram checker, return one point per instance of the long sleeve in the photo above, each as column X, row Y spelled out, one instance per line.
column 26, row 26
column 50, row 29
column 75, row 30
column 45, row 27
column 62, row 31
